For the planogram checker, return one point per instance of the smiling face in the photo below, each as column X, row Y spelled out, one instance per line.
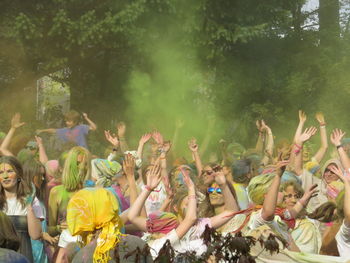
column 328, row 175
column 291, row 197
column 215, row 195
column 8, row 177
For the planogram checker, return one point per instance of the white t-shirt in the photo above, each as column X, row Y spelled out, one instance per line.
column 66, row 238
column 155, row 199
column 192, row 240
column 15, row 208
column 156, row 244
column 343, row 242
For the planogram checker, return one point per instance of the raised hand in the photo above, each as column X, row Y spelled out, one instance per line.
column 219, row 175
column 336, row 136
column 307, row 134
column 85, row 115
column 129, row 166
column 179, row 123
column 187, row 179
column 121, row 129
column 16, row 121
column 302, row 116
column 38, row 140
column 281, row 167
column 311, row 192
column 113, row 139
column 320, row 118
column 344, row 177
column 145, row 138
column 192, row 145
column 264, row 127
column 158, row 137
column 154, row 177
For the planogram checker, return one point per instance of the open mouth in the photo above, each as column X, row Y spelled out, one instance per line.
column 7, row 181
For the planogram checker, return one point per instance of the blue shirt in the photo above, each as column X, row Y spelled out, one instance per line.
column 77, row 134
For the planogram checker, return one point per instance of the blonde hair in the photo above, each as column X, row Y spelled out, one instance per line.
column 74, row 173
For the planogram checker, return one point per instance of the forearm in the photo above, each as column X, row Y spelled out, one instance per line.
column 42, row 154
column 136, row 208
column 324, row 144
column 269, row 206
column 34, row 226
column 191, row 213
column 345, row 160
column 298, row 131
column 229, row 199
column 91, row 124
column 140, row 150
column 298, row 207
column 297, row 154
column 347, row 203
column 6, row 142
column 132, row 190
column 198, row 162
column 52, row 131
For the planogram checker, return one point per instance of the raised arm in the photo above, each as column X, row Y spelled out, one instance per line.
column 42, row 153
column 15, row 123
column 153, row 179
column 324, row 143
column 268, row 152
column 129, row 170
column 260, row 143
column 144, row 139
column 191, row 213
column 346, row 180
column 303, row 202
column 92, row 125
column 269, row 206
column 121, row 130
column 113, row 140
column 297, row 150
column 336, row 138
column 193, row 146
column 231, row 205
column 50, row 130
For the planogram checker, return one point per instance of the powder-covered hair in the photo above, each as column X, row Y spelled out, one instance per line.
column 258, row 187
column 74, row 173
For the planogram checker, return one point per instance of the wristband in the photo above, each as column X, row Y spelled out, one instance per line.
column 339, row 146
column 151, row 190
column 322, row 124
column 298, row 146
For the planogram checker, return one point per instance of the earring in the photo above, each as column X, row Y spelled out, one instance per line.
column 19, row 179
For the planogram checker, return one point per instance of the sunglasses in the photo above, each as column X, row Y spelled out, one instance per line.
column 213, row 189
column 289, row 196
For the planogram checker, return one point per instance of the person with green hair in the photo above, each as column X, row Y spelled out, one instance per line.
column 76, row 170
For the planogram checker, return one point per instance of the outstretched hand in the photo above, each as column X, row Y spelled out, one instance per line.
column 342, row 176
column 311, row 192
column 306, row 135
column 192, row 145
column 320, row 118
column 121, row 129
column 113, row 139
column 154, row 177
column 302, row 116
column 145, row 138
column 158, row 137
column 38, row 140
column 16, row 121
column 219, row 175
column 336, row 136
column 129, row 166
column 281, row 167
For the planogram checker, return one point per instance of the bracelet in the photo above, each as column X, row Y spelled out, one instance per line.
column 149, row 189
column 298, row 146
column 339, row 146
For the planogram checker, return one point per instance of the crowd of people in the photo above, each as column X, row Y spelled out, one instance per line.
column 276, row 202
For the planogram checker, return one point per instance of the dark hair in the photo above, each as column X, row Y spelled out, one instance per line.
column 240, row 170
column 8, row 236
column 31, row 169
column 22, row 187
